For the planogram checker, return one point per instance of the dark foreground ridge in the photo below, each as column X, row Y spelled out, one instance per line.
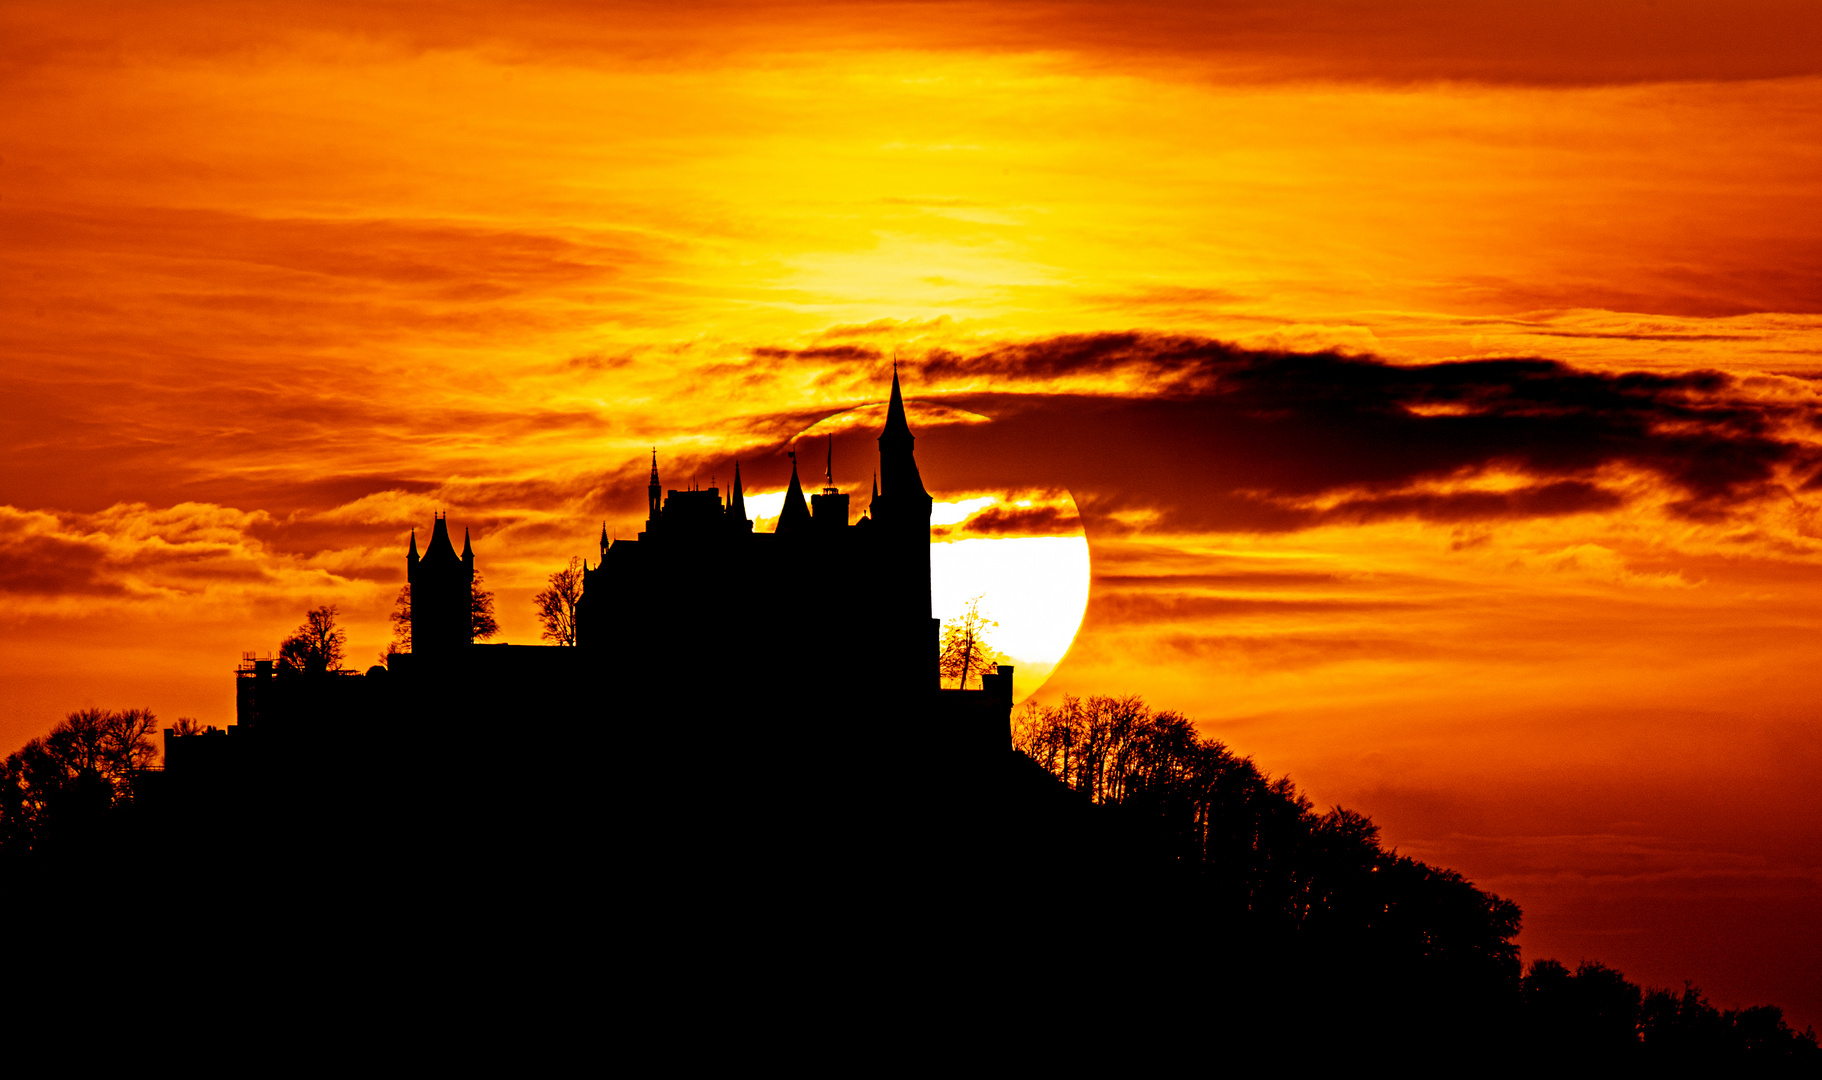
column 741, row 815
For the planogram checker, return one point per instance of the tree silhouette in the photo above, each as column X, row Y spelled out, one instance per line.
column 401, row 624
column 189, row 725
column 315, row 648
column 964, row 652
column 480, row 610
column 557, row 604
column 66, row 782
column 1260, row 855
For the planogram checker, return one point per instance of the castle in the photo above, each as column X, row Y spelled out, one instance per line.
column 836, row 608
column 765, row 663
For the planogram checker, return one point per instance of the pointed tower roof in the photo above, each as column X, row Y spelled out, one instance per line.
column 896, row 426
column 440, row 548
column 897, row 462
column 737, row 500
column 414, row 545
column 467, row 548
column 604, row 534
column 796, row 512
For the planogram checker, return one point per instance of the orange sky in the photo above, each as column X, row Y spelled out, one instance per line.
column 278, row 281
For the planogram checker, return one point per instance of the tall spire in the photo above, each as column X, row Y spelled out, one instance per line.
column 467, row 549
column 903, row 487
column 414, row 545
column 896, row 426
column 737, row 499
column 795, row 515
column 654, row 492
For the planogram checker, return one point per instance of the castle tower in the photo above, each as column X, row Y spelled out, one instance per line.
column 901, row 513
column 442, row 587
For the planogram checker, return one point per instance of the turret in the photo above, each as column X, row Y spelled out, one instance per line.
column 737, row 505
column 901, row 519
column 442, row 584
column 654, row 497
column 795, row 516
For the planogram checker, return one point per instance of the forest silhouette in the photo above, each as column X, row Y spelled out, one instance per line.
column 1115, row 860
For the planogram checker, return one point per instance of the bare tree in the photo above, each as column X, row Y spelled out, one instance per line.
column 965, row 653
column 316, row 647
column 189, row 725
column 89, row 763
column 401, row 625
column 557, row 604
column 480, row 611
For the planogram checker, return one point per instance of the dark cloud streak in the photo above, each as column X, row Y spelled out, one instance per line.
column 1217, row 437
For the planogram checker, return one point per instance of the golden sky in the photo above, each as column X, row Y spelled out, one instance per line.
column 1434, row 382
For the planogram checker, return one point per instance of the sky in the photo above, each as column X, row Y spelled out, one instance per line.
column 1423, row 396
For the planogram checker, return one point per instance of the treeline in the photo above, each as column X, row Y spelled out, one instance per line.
column 67, row 792
column 1319, row 892
column 1222, row 884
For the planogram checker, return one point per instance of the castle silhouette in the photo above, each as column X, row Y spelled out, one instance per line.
column 823, row 605
column 810, row 650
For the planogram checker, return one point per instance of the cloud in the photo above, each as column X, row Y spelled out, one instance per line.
column 1502, row 41
column 1536, row 500
column 1018, row 514
column 1020, row 521
column 1207, row 435
column 36, row 559
column 823, row 352
column 133, row 552
column 890, row 328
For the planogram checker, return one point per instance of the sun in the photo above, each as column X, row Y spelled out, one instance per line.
column 1034, row 586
